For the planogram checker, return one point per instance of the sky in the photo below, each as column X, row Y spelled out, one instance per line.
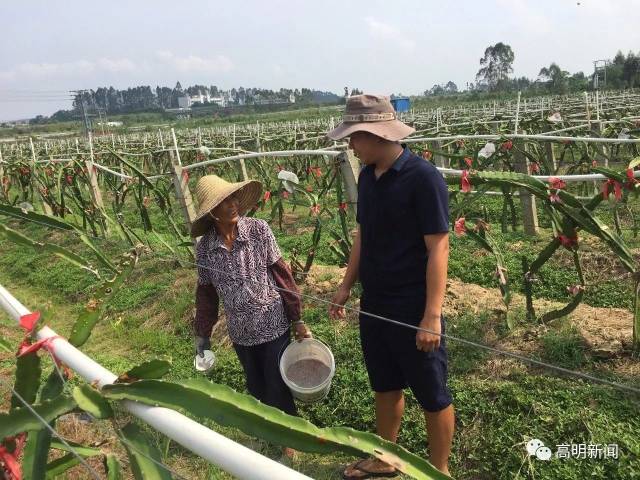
column 51, row 47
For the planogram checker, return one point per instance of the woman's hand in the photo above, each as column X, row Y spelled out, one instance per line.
column 300, row 331
column 202, row 344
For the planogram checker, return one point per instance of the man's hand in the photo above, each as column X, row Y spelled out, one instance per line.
column 300, row 331
column 202, row 344
column 336, row 309
column 429, row 342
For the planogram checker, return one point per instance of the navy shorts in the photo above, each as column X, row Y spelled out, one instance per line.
column 394, row 363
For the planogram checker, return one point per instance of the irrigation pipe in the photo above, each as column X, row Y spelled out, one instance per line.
column 108, row 170
column 55, row 160
column 279, row 153
column 553, row 132
column 567, row 178
column 232, row 457
column 548, row 138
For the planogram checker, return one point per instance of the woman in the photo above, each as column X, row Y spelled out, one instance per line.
column 238, row 259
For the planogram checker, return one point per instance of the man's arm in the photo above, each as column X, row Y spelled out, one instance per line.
column 351, row 275
column 438, row 250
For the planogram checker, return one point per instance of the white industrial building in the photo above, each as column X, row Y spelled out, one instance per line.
column 186, row 101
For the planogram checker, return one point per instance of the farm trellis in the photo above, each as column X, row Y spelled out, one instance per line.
column 579, row 150
column 135, row 187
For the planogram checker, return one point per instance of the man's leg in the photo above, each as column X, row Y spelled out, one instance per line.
column 426, row 373
column 389, row 409
column 440, row 436
column 387, row 382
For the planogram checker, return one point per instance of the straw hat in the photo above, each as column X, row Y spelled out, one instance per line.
column 373, row 114
column 211, row 191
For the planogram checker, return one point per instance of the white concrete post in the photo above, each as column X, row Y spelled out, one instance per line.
column 181, row 184
column 45, row 206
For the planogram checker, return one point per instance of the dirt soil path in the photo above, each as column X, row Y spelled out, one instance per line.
column 607, row 332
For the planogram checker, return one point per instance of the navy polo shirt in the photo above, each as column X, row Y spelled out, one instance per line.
column 395, row 211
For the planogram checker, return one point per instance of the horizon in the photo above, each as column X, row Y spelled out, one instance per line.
column 285, row 44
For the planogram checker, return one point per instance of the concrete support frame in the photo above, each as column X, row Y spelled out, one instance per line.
column 527, row 200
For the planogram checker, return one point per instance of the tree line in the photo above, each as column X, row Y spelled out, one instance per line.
column 112, row 101
column 496, row 65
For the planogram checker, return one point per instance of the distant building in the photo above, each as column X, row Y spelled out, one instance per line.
column 401, row 104
column 184, row 102
column 220, row 101
column 201, row 97
column 274, row 101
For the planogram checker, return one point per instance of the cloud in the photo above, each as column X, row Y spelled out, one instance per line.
column 25, row 72
column 609, row 8
column 194, row 63
column 116, row 65
column 525, row 16
column 78, row 68
column 388, row 33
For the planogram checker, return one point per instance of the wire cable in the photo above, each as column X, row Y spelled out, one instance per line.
column 532, row 361
column 36, row 415
column 584, row 376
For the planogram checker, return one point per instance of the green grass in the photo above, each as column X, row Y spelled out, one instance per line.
column 496, row 410
column 564, row 347
column 495, row 413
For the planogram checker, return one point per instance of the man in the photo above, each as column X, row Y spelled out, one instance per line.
column 400, row 254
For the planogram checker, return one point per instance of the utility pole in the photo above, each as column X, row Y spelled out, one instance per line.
column 600, row 73
column 83, row 109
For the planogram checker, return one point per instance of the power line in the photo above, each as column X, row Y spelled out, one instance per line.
column 35, row 100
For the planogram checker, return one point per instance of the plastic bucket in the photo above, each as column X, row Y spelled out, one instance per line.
column 308, row 349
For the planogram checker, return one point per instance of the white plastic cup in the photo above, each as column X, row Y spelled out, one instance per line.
column 205, row 363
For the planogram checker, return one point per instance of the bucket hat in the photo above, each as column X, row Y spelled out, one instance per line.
column 211, row 191
column 373, row 114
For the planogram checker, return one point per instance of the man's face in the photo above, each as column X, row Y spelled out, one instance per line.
column 365, row 146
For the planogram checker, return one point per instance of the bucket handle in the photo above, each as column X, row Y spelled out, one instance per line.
column 283, row 347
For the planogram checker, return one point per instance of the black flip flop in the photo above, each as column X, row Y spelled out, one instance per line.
column 368, row 473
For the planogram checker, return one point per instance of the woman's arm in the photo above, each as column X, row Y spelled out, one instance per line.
column 288, row 290
column 207, row 302
column 284, row 281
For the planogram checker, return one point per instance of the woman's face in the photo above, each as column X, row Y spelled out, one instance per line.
column 228, row 210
